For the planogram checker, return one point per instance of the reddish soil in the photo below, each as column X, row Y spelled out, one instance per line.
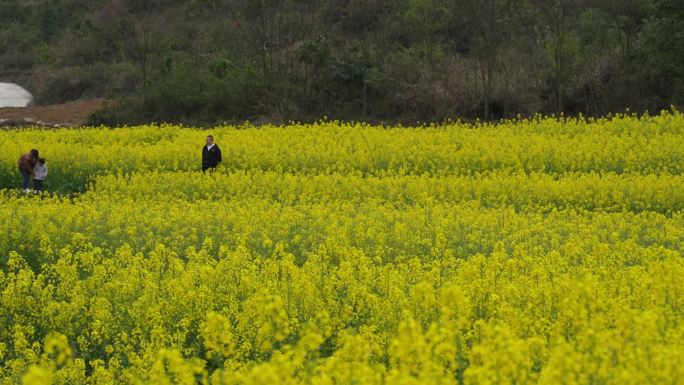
column 68, row 114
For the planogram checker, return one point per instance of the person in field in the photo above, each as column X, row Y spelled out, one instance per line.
column 27, row 163
column 211, row 155
column 40, row 172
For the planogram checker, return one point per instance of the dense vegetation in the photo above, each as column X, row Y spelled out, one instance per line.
column 531, row 252
column 209, row 60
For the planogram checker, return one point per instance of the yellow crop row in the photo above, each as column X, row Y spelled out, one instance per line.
column 528, row 192
column 648, row 145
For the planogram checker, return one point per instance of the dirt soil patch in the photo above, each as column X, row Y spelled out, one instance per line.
column 68, row 114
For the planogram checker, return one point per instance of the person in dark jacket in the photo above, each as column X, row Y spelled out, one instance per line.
column 211, row 155
column 27, row 163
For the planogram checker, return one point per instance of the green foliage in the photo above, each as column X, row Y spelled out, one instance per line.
column 664, row 50
column 352, row 59
column 44, row 54
column 49, row 21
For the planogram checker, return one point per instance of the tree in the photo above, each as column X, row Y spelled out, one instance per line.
column 556, row 18
column 664, row 52
column 490, row 23
column 134, row 28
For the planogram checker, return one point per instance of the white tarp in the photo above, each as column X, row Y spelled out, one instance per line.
column 12, row 95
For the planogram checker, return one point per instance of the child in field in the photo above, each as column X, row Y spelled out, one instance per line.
column 41, row 173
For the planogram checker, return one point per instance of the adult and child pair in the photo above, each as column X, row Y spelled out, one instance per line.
column 31, row 165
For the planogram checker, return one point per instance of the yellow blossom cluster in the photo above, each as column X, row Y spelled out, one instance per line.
column 530, row 252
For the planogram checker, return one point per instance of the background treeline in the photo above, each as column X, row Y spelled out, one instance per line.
column 211, row 60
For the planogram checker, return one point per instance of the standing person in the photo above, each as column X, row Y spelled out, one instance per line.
column 211, row 155
column 26, row 164
column 40, row 173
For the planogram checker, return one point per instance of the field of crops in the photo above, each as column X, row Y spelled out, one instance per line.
column 531, row 252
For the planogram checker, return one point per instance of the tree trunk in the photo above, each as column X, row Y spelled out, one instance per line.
column 485, row 95
column 560, row 39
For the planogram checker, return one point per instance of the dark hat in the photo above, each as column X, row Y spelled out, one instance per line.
column 34, row 152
